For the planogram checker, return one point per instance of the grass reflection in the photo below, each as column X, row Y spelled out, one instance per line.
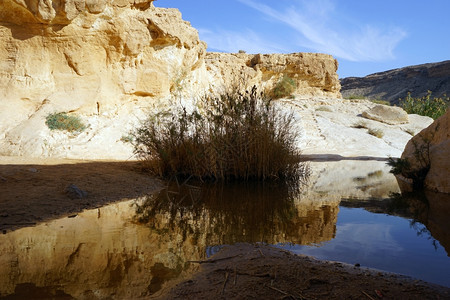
column 217, row 214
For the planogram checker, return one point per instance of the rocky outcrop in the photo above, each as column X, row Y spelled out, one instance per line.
column 104, row 61
column 334, row 129
column 108, row 62
column 314, row 73
column 394, row 84
column 387, row 114
column 430, row 149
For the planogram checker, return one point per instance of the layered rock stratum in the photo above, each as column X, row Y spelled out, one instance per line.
column 109, row 62
column 394, row 84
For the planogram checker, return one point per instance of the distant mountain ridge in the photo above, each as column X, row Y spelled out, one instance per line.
column 394, row 84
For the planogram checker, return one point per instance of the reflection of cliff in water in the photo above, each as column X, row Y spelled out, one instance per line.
column 429, row 208
column 251, row 212
column 104, row 253
column 98, row 254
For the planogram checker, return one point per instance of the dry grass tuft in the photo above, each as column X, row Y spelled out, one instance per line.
column 232, row 136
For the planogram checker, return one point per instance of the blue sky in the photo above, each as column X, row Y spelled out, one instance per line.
column 365, row 36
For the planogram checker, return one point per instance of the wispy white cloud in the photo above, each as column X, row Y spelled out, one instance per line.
column 232, row 41
column 316, row 23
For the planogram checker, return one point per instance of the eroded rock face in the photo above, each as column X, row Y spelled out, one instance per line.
column 60, row 11
column 433, row 144
column 314, row 73
column 108, row 62
column 104, row 62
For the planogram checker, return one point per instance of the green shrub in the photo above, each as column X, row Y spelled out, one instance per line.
column 426, row 106
column 63, row 121
column 233, row 136
column 355, row 97
column 284, row 87
column 126, row 138
column 402, row 166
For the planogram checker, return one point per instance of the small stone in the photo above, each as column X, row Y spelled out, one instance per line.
column 74, row 192
column 33, row 170
column 357, row 265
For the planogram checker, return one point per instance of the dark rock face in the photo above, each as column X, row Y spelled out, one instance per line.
column 394, row 84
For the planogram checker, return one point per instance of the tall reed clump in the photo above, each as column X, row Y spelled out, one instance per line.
column 231, row 136
column 426, row 106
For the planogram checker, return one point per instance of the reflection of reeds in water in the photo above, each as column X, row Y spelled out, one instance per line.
column 242, row 212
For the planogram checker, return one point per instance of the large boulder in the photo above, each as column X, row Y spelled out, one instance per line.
column 431, row 149
column 392, row 115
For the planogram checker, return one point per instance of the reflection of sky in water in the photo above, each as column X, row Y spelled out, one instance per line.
column 383, row 242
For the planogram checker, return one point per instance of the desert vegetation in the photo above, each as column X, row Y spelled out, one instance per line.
column 63, row 121
column 231, row 136
column 418, row 172
column 284, row 87
column 433, row 107
column 376, row 132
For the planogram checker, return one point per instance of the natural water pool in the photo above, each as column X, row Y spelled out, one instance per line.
column 383, row 242
column 135, row 248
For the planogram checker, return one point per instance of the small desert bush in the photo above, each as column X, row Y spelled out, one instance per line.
column 284, row 87
column 382, row 102
column 63, row 121
column 426, row 106
column 376, row 132
column 418, row 173
column 126, row 138
column 232, row 136
column 355, row 97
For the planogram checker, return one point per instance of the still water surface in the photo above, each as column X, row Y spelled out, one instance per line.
column 137, row 248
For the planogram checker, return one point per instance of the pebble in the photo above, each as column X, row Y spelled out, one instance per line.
column 75, row 192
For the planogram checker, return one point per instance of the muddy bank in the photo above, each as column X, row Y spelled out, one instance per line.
column 34, row 190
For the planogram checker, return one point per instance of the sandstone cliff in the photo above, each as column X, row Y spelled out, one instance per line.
column 314, row 74
column 394, row 84
column 108, row 61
